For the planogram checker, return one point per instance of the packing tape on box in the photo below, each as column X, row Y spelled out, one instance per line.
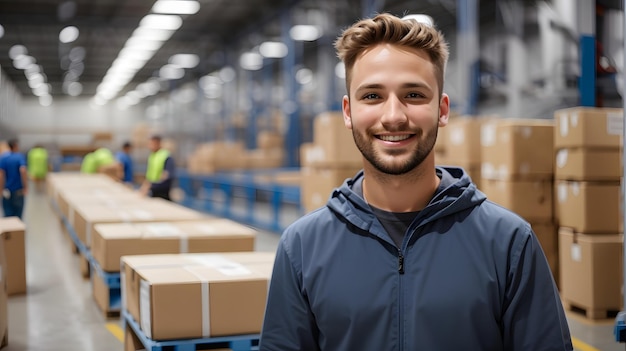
column 206, row 312
column 184, row 243
column 145, row 308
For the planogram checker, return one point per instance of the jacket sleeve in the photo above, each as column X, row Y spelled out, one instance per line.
column 289, row 323
column 533, row 316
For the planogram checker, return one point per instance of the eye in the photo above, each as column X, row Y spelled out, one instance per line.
column 370, row 96
column 414, row 95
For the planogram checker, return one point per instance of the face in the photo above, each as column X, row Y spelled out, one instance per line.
column 155, row 145
column 394, row 109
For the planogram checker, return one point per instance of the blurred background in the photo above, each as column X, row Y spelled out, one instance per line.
column 104, row 71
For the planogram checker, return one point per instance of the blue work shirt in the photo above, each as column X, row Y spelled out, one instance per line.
column 11, row 164
column 127, row 164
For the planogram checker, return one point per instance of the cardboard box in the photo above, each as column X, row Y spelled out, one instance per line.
column 69, row 200
column 531, row 199
column 547, row 235
column 462, row 140
column 335, row 144
column 588, row 165
column 155, row 211
column 4, row 317
column 214, row 294
column 591, row 270
column 589, row 207
column 318, row 184
column 517, row 149
column 13, row 233
column 112, row 241
column 588, row 127
column 264, row 158
column 267, row 140
column 102, row 294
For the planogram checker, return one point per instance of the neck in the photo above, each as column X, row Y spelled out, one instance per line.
column 408, row 192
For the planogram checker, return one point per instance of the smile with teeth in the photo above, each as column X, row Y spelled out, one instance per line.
column 394, row 137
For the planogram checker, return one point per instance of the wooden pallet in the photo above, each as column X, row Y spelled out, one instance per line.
column 590, row 313
column 136, row 340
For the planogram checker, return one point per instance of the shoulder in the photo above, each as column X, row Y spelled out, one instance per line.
column 309, row 226
column 499, row 224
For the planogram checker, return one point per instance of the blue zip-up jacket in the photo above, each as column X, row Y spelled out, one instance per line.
column 470, row 275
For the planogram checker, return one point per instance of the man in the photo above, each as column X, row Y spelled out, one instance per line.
column 13, row 180
column 160, row 171
column 103, row 161
column 37, row 166
column 124, row 158
column 37, row 163
column 406, row 255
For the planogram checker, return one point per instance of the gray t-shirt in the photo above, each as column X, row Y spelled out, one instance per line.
column 395, row 223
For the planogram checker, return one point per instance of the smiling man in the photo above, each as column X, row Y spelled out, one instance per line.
column 407, row 255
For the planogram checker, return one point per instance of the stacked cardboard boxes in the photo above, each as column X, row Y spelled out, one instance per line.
column 587, row 180
column 328, row 161
column 196, row 295
column 112, row 241
column 4, row 308
column 517, row 173
column 458, row 144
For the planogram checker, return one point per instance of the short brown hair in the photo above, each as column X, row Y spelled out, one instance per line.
column 387, row 28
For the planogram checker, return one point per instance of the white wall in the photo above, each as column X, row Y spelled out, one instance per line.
column 71, row 121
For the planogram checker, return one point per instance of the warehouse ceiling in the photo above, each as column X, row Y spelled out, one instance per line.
column 219, row 29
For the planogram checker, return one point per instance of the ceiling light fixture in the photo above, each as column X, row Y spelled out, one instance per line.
column 251, row 61
column 185, row 60
column 187, row 7
column 302, row 32
column 167, row 22
column 273, row 49
column 171, row 71
column 68, row 34
column 420, row 18
column 17, row 50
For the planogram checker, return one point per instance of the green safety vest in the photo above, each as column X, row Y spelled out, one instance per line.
column 89, row 164
column 103, row 157
column 37, row 162
column 156, row 164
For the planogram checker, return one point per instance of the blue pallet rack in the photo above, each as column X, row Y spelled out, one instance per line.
column 110, row 279
column 240, row 183
column 235, row 342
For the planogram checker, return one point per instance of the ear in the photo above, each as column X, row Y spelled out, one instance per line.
column 444, row 110
column 347, row 116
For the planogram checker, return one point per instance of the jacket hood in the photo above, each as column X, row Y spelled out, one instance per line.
column 459, row 194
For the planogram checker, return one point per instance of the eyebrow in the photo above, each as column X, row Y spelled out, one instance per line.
column 380, row 86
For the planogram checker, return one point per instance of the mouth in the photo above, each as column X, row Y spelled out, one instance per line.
column 395, row 138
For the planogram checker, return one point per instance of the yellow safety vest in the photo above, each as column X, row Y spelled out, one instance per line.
column 156, row 165
column 37, row 162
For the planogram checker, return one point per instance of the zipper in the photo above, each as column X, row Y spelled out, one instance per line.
column 400, row 301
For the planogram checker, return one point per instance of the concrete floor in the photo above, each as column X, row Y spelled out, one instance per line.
column 59, row 312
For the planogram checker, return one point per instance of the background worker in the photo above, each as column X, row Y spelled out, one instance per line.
column 37, row 164
column 101, row 160
column 160, row 171
column 126, row 162
column 13, row 180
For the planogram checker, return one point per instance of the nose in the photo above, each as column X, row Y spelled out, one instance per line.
column 394, row 114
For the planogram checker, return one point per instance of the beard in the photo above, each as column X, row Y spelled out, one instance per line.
column 426, row 143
